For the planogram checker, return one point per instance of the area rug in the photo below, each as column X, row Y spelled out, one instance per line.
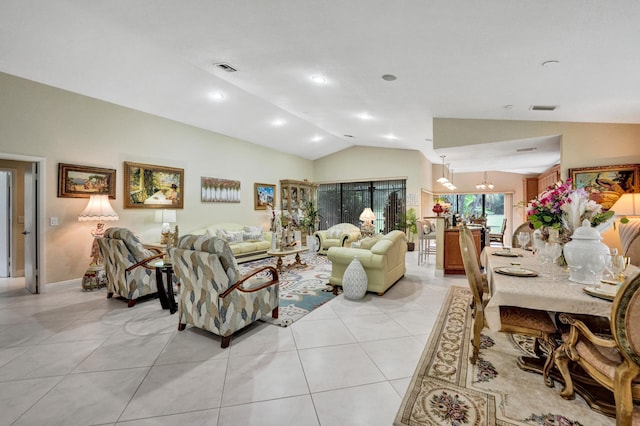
column 446, row 389
column 301, row 289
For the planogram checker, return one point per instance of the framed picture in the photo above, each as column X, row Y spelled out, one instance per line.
column 153, row 187
column 214, row 190
column 82, row 181
column 264, row 195
column 607, row 183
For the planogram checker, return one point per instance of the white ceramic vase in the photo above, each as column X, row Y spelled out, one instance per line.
column 354, row 280
column 583, row 252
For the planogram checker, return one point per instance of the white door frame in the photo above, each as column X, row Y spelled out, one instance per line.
column 40, row 261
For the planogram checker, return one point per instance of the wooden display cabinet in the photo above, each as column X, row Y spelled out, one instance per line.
column 294, row 194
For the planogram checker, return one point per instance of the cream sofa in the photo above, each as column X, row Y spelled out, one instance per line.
column 340, row 235
column 247, row 242
column 384, row 262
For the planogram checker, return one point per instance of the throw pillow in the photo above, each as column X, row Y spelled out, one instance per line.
column 253, row 236
column 367, row 243
column 231, row 237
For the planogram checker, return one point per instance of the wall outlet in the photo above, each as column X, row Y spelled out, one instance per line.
column 53, row 221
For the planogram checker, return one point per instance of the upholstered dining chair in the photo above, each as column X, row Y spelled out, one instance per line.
column 426, row 239
column 531, row 322
column 126, row 265
column 611, row 360
column 498, row 237
column 523, row 227
column 213, row 294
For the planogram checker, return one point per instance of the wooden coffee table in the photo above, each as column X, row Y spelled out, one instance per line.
column 282, row 253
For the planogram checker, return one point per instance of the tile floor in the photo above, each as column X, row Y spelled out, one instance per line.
column 76, row 358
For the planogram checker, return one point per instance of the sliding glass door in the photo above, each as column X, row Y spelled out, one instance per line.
column 467, row 206
column 344, row 202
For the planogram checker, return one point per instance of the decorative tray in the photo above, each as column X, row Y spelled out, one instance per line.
column 506, row 254
column 516, row 272
column 596, row 292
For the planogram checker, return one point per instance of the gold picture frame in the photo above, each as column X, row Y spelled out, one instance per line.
column 264, row 194
column 76, row 181
column 148, row 186
column 607, row 183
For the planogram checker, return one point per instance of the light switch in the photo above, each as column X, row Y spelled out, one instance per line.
column 53, row 221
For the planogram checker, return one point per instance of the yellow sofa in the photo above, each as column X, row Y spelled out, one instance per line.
column 384, row 262
column 245, row 241
column 340, row 235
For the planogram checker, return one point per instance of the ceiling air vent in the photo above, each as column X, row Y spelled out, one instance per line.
column 525, row 149
column 226, row 67
column 543, row 107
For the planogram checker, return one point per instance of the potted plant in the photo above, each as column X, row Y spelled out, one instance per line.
column 310, row 218
column 412, row 228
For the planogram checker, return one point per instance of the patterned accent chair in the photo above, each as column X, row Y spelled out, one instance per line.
column 531, row 322
column 611, row 360
column 213, row 295
column 125, row 264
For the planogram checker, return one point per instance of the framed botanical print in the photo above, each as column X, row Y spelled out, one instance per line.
column 153, row 187
column 607, row 183
column 83, row 181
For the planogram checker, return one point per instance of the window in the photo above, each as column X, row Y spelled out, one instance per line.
column 344, row 202
column 477, row 205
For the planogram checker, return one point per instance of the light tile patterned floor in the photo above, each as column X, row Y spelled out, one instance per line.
column 74, row 357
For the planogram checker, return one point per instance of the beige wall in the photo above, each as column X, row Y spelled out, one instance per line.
column 64, row 127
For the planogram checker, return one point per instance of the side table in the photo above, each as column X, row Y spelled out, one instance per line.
column 166, row 296
column 94, row 277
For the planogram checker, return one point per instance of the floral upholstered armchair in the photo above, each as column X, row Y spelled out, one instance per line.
column 126, row 265
column 213, row 295
column 340, row 235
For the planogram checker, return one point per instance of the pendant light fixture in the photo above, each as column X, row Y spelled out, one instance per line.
column 451, row 186
column 443, row 179
column 486, row 183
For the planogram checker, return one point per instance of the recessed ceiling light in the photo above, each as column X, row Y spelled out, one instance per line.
column 389, row 77
column 390, row 136
column 216, row 96
column 318, row 79
column 365, row 116
column 278, row 122
column 317, row 138
column 550, row 63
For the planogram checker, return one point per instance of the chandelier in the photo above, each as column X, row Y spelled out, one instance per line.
column 486, row 183
column 443, row 179
column 450, row 184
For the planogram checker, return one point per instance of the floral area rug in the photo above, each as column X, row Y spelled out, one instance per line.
column 446, row 389
column 301, row 289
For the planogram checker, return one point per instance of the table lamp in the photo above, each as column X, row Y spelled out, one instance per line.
column 98, row 209
column 166, row 217
column 628, row 206
column 367, row 229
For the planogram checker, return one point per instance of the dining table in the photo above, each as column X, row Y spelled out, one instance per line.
column 552, row 292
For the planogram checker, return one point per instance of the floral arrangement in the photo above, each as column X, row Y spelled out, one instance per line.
column 562, row 208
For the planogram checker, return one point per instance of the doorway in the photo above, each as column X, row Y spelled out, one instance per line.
column 26, row 244
column 5, row 223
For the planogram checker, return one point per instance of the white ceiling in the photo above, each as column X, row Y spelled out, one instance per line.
column 455, row 59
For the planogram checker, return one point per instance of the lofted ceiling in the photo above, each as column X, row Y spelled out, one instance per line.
column 454, row 59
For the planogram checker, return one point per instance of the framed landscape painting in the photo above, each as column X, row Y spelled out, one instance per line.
column 153, row 187
column 607, row 183
column 83, row 181
column 264, row 195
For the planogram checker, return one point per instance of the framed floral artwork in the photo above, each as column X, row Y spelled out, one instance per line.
column 214, row 190
column 264, row 195
column 153, row 187
column 83, row 181
column 607, row 183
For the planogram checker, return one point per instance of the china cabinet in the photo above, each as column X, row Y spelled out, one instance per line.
column 294, row 194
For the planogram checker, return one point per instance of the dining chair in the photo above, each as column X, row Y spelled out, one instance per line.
column 213, row 294
column 523, row 227
column 611, row 360
column 426, row 239
column 498, row 237
column 515, row 320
